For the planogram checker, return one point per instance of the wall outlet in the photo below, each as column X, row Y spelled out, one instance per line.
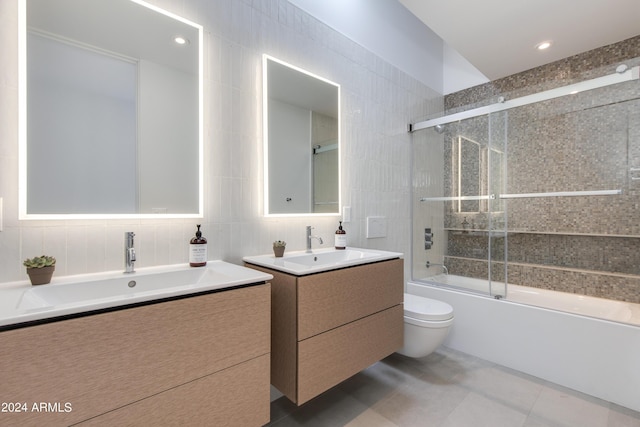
column 376, row 227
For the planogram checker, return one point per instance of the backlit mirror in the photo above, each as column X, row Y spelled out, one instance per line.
column 110, row 111
column 302, row 141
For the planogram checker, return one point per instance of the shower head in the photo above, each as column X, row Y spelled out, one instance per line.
column 439, row 128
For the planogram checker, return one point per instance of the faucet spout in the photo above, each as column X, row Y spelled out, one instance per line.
column 310, row 237
column 444, row 267
column 129, row 252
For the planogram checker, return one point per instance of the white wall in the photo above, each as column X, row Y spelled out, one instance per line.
column 388, row 29
column 392, row 32
column 458, row 73
column 378, row 100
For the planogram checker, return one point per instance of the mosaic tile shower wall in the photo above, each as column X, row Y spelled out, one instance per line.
column 588, row 141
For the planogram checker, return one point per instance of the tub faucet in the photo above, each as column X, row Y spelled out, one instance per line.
column 129, row 252
column 310, row 237
column 444, row 267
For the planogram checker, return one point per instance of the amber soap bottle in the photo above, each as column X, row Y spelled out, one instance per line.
column 341, row 238
column 198, row 250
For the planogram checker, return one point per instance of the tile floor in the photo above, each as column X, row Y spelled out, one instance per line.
column 449, row 389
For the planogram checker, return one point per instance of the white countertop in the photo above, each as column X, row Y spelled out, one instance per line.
column 21, row 302
column 319, row 260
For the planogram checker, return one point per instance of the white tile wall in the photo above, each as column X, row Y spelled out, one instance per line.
column 378, row 101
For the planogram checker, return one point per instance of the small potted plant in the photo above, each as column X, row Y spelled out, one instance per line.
column 40, row 269
column 278, row 248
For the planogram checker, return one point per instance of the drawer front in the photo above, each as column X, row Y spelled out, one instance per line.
column 331, row 299
column 330, row 358
column 237, row 396
column 102, row 362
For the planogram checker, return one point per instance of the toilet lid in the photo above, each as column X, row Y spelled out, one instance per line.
column 426, row 308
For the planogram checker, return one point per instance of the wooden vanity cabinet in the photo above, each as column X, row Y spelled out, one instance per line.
column 329, row 326
column 201, row 360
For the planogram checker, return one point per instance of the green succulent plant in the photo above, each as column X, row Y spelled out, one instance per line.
column 279, row 243
column 39, row 262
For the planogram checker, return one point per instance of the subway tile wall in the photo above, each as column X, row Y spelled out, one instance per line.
column 378, row 100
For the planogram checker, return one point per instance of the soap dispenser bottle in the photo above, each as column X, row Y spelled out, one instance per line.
column 341, row 238
column 198, row 250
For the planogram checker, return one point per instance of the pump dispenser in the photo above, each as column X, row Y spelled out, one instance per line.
column 198, row 250
column 341, row 238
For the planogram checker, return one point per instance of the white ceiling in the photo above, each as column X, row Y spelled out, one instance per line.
column 498, row 37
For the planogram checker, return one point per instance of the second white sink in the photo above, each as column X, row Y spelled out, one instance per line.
column 301, row 263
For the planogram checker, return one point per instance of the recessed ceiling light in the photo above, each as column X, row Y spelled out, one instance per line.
column 543, row 45
column 180, row 40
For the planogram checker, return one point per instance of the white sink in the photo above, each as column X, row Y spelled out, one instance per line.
column 22, row 302
column 301, row 263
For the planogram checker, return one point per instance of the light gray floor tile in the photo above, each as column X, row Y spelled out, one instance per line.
column 421, row 404
column 479, row 411
column 559, row 406
column 370, row 418
column 506, row 386
column 449, row 389
column 623, row 417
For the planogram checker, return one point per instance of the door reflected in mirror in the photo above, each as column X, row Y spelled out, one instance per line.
column 111, row 111
column 301, row 141
column 468, row 182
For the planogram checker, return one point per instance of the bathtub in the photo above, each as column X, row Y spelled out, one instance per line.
column 616, row 311
column 568, row 343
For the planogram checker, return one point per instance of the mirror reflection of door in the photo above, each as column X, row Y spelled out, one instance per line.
column 325, row 163
column 468, row 173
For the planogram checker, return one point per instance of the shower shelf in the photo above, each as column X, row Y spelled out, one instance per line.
column 615, row 192
column 476, row 232
column 547, row 267
column 470, row 232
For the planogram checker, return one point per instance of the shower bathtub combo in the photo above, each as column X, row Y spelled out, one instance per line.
column 531, row 212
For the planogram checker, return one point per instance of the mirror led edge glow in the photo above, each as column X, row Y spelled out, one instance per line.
column 22, row 127
column 265, row 139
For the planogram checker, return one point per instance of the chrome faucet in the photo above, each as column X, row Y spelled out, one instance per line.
column 129, row 252
column 310, row 237
column 444, row 267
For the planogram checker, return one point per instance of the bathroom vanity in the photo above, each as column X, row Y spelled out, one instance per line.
column 197, row 358
column 331, row 318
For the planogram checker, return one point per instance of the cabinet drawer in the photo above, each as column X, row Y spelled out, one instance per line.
column 105, row 361
column 328, row 300
column 235, row 396
column 327, row 359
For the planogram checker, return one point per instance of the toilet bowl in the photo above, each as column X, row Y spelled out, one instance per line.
column 426, row 325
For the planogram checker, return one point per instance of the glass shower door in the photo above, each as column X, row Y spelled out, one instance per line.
column 458, row 239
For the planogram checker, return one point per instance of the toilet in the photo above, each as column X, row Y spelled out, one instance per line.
column 426, row 325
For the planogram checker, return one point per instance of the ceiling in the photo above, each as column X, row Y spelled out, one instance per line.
column 498, row 37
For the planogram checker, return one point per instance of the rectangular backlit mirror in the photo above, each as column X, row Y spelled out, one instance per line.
column 301, row 141
column 110, row 111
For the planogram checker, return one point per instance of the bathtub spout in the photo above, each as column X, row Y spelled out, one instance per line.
column 444, row 267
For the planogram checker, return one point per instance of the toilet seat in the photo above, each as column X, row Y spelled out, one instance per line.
column 422, row 308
